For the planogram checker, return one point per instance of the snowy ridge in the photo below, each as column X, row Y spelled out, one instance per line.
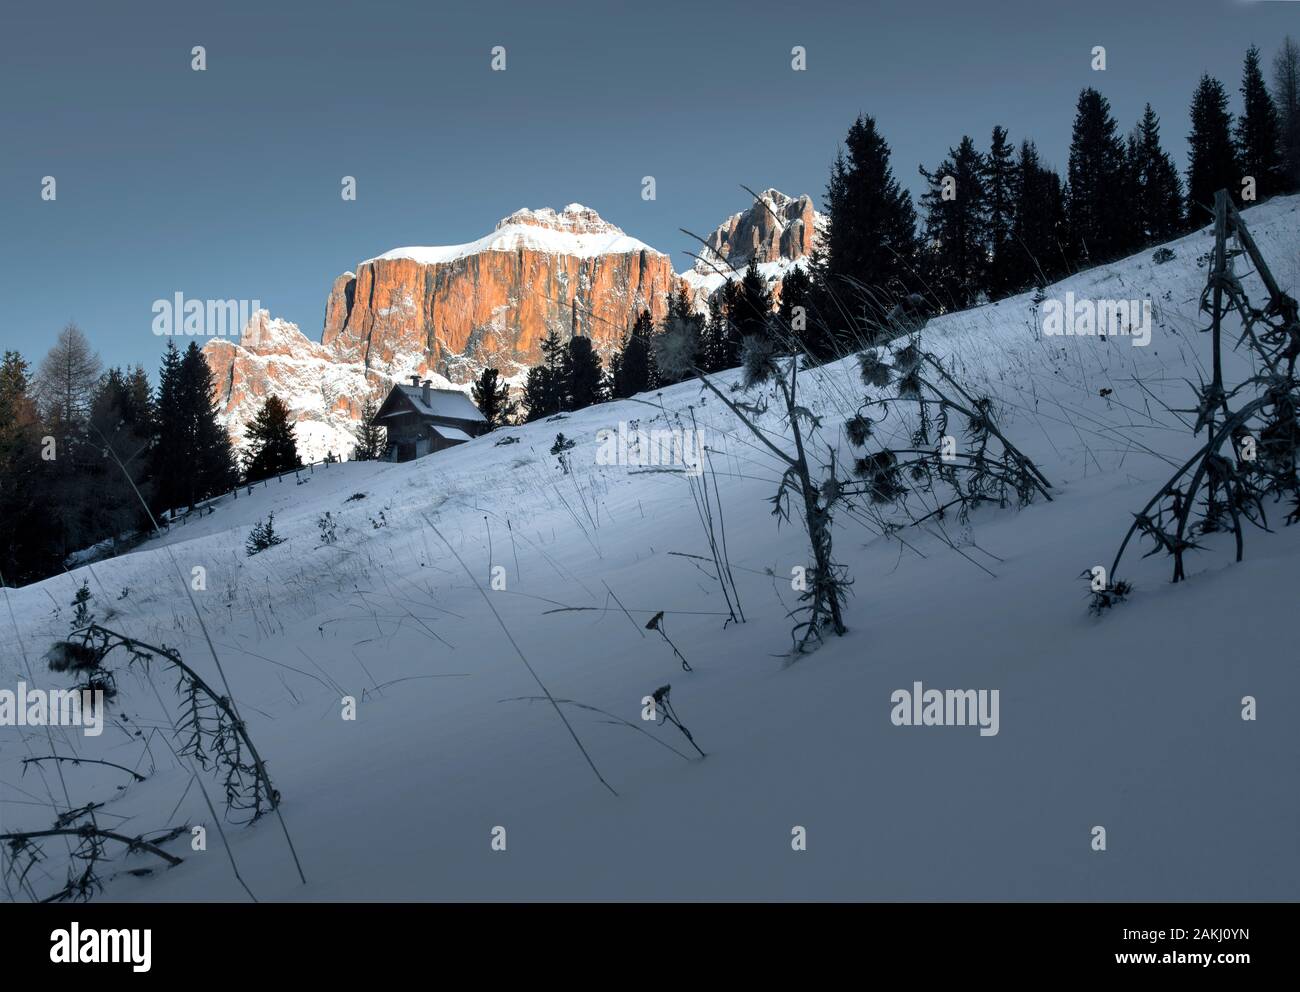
column 576, row 230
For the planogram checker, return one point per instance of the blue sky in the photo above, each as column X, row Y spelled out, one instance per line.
column 225, row 183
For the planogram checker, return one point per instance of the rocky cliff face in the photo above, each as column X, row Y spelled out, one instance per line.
column 324, row 395
column 450, row 311
column 776, row 232
column 777, row 227
column 444, row 313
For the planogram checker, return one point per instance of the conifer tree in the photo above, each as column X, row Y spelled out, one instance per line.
column 539, row 393
column 141, row 408
column 753, row 315
column 582, row 374
column 128, row 394
column 1000, row 198
column 171, row 446
column 796, row 318
column 1099, row 230
column 1129, row 193
column 271, row 446
column 955, row 256
column 209, row 463
column 872, row 240
column 633, row 371
column 1258, row 139
column 654, row 375
column 544, row 389
column 1159, row 202
column 371, row 439
column 1286, row 98
column 729, row 301
column 1212, row 158
column 492, row 397
column 122, row 424
column 1039, row 236
column 713, row 338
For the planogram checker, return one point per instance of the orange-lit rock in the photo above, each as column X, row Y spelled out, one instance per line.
column 776, row 231
column 445, row 313
column 453, row 310
column 774, row 228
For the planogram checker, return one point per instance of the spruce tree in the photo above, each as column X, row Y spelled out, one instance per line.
column 121, row 419
column 492, row 397
column 1130, row 192
column 582, row 374
column 753, row 315
column 872, row 242
column 1099, row 230
column 686, row 306
column 1258, row 138
column 713, row 337
column 171, row 448
column 1286, row 97
column 210, row 467
column 132, row 397
column 1159, row 206
column 271, row 446
column 1212, row 158
column 544, row 389
column 141, row 407
column 371, row 439
column 1040, row 236
column 632, row 370
column 1000, row 198
column 796, row 318
column 539, row 393
column 954, row 260
column 729, row 301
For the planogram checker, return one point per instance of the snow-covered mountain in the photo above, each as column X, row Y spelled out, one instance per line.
column 444, row 313
column 452, row 310
column 778, row 231
column 1132, row 721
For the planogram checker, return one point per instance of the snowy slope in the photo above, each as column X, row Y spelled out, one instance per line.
column 1131, row 721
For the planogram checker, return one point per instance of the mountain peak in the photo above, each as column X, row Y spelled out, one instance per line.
column 576, row 230
column 775, row 228
column 574, row 218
